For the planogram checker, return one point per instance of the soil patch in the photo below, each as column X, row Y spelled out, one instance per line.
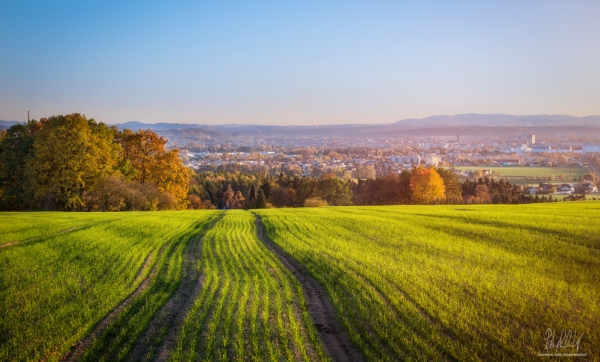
column 12, row 243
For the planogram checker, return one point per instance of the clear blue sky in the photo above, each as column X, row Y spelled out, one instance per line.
column 295, row 62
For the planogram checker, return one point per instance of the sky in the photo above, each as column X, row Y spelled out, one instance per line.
column 297, row 62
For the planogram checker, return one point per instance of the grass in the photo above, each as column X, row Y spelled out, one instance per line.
column 34, row 226
column 250, row 307
column 452, row 282
column 476, row 282
column 532, row 175
column 512, row 171
column 53, row 291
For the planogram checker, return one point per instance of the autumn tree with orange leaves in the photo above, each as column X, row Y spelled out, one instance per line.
column 152, row 163
column 426, row 186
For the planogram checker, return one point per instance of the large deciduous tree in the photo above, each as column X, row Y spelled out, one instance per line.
column 143, row 149
column 170, row 175
column 15, row 146
column 452, row 186
column 70, row 155
column 426, row 186
column 152, row 163
column 333, row 190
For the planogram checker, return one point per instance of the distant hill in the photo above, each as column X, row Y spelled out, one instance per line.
column 157, row 126
column 466, row 124
column 7, row 124
column 444, row 125
column 474, row 119
column 468, row 119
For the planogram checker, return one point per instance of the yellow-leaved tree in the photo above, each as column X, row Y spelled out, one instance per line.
column 170, row 175
column 426, row 186
column 70, row 156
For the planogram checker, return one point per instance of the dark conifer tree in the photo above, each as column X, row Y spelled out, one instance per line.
column 252, row 195
column 261, row 200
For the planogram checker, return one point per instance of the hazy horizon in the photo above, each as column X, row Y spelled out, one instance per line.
column 484, row 117
column 298, row 64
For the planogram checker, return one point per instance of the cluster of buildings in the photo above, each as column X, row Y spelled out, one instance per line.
column 379, row 157
column 586, row 187
column 431, row 159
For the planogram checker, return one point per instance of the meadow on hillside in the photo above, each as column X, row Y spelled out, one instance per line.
column 477, row 282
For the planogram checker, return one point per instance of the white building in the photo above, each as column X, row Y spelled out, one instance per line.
column 564, row 149
column 531, row 139
column 522, row 149
column 433, row 160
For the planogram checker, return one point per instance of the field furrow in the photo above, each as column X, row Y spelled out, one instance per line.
column 118, row 341
column 157, row 341
column 321, row 310
column 439, row 283
column 81, row 346
column 251, row 306
column 54, row 293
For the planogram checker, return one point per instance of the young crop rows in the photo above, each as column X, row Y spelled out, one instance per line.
column 340, row 283
column 455, row 283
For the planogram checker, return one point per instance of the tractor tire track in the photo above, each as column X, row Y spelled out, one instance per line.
column 82, row 345
column 171, row 316
column 41, row 238
column 321, row 309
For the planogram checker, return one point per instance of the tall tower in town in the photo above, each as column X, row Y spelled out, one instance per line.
column 532, row 139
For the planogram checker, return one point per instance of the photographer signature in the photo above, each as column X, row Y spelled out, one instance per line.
column 566, row 339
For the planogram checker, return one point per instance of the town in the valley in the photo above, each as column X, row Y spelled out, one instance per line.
column 550, row 164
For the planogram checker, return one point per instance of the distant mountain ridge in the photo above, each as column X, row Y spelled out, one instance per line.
column 474, row 119
column 436, row 126
column 467, row 119
column 7, row 124
column 441, row 125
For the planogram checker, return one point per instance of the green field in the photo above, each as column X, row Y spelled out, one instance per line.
column 531, row 175
column 481, row 282
column 452, row 282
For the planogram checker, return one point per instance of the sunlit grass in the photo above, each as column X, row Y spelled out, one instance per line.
column 475, row 282
column 452, row 282
column 34, row 226
column 251, row 307
column 53, row 291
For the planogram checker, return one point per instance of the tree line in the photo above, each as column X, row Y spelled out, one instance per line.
column 74, row 163
column 236, row 189
column 243, row 190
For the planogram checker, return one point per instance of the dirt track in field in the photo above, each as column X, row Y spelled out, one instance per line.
column 28, row 240
column 320, row 307
column 160, row 337
column 81, row 346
